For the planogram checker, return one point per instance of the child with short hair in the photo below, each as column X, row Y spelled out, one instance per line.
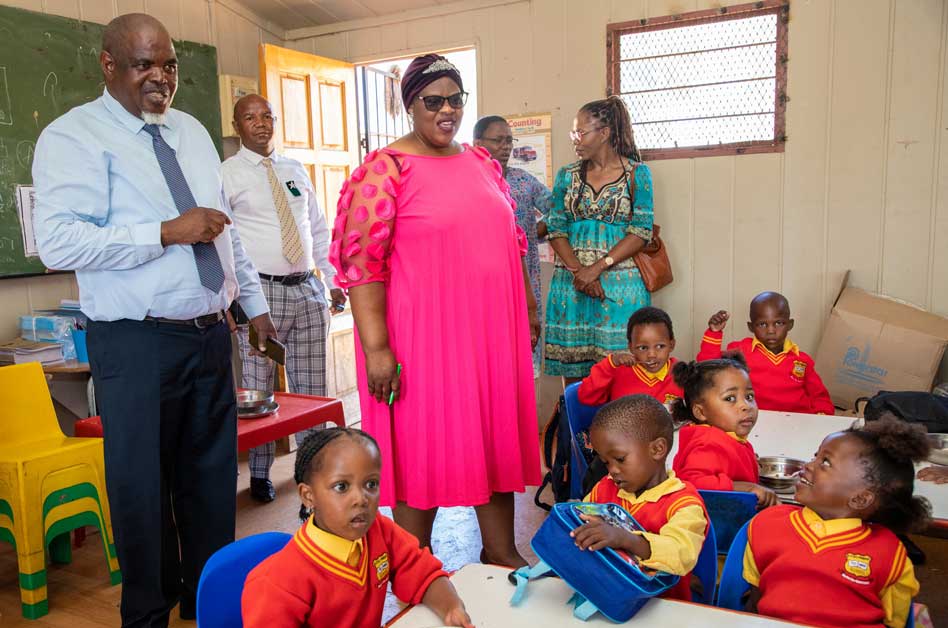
column 719, row 405
column 633, row 436
column 784, row 377
column 645, row 369
column 335, row 570
column 839, row 551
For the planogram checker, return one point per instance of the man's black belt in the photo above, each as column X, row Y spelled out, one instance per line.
column 200, row 322
column 289, row 280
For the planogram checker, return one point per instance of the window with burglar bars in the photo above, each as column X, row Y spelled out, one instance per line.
column 382, row 119
column 704, row 83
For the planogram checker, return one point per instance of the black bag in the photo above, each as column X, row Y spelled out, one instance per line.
column 913, row 407
column 557, row 447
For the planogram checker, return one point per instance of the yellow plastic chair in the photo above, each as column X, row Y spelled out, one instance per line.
column 50, row 484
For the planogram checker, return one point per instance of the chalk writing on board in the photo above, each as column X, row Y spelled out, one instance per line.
column 24, row 153
column 49, row 88
column 6, row 109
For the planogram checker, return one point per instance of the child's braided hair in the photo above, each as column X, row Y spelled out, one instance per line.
column 308, row 460
column 891, row 446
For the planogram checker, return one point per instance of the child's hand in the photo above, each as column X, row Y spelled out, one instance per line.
column 765, row 497
column 718, row 321
column 457, row 616
column 938, row 475
column 623, row 359
column 596, row 534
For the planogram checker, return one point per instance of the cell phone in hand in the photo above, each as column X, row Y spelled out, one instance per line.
column 274, row 349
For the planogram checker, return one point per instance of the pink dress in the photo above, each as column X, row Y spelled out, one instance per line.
column 441, row 233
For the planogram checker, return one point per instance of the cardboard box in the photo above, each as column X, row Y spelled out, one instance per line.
column 872, row 343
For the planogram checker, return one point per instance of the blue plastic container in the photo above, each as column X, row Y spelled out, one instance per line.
column 79, row 338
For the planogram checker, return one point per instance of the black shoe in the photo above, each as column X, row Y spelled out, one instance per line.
column 262, row 490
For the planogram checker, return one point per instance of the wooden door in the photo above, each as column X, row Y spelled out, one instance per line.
column 314, row 100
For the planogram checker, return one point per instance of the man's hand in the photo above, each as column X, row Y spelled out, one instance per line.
column 338, row 303
column 718, row 320
column 263, row 324
column 198, row 224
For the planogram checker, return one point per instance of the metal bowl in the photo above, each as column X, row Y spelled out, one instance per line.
column 248, row 400
column 779, row 473
column 939, row 452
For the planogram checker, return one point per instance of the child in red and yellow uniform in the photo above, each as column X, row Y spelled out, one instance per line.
column 713, row 451
column 785, row 378
column 839, row 552
column 336, row 569
column 645, row 369
column 632, row 436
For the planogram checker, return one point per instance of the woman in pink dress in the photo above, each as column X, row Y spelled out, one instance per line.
column 427, row 245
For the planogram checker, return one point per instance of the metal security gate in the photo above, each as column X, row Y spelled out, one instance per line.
column 382, row 118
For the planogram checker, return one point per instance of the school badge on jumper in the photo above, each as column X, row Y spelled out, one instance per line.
column 856, row 568
column 381, row 567
column 799, row 369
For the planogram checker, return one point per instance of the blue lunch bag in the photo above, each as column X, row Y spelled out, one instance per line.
column 607, row 581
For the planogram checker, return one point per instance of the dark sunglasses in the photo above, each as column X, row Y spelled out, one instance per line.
column 435, row 103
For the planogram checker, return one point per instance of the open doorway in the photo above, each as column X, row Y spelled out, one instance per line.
column 382, row 117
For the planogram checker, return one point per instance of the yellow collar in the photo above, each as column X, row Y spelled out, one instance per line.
column 826, row 527
column 788, row 347
column 731, row 434
column 648, row 376
column 670, row 485
column 341, row 549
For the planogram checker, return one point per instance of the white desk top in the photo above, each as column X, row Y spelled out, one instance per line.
column 800, row 435
column 486, row 594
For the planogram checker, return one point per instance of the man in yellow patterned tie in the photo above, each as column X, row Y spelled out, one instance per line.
column 285, row 235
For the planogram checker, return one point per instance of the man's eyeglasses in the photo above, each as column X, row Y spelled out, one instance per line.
column 435, row 103
column 501, row 141
column 579, row 134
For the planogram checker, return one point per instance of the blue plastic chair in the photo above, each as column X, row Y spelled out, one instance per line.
column 733, row 586
column 729, row 510
column 580, row 417
column 222, row 581
column 706, row 569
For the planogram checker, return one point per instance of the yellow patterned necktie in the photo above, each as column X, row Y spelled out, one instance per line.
column 289, row 234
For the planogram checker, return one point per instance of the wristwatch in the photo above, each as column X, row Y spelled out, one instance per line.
column 608, row 260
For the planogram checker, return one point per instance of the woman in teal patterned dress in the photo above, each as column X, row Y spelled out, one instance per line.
column 601, row 216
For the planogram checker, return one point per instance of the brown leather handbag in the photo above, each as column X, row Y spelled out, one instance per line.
column 653, row 263
column 652, row 259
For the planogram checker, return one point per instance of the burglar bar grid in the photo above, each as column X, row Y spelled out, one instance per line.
column 704, row 83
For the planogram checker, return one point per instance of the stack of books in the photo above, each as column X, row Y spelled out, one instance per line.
column 18, row 351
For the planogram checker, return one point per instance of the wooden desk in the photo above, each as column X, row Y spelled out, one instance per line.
column 296, row 413
column 486, row 594
column 69, row 367
column 800, row 435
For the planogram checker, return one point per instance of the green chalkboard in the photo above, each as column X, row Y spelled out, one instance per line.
column 48, row 65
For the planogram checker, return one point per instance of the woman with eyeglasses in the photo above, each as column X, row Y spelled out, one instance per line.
column 427, row 245
column 601, row 216
column 530, row 196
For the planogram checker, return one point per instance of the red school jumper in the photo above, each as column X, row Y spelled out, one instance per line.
column 607, row 382
column 786, row 382
column 302, row 585
column 837, row 580
column 713, row 459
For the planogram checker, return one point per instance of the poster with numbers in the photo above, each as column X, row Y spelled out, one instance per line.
column 532, row 151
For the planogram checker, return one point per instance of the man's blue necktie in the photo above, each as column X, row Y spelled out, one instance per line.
column 205, row 254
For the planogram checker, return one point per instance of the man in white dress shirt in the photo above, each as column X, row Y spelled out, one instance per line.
column 285, row 234
column 129, row 196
